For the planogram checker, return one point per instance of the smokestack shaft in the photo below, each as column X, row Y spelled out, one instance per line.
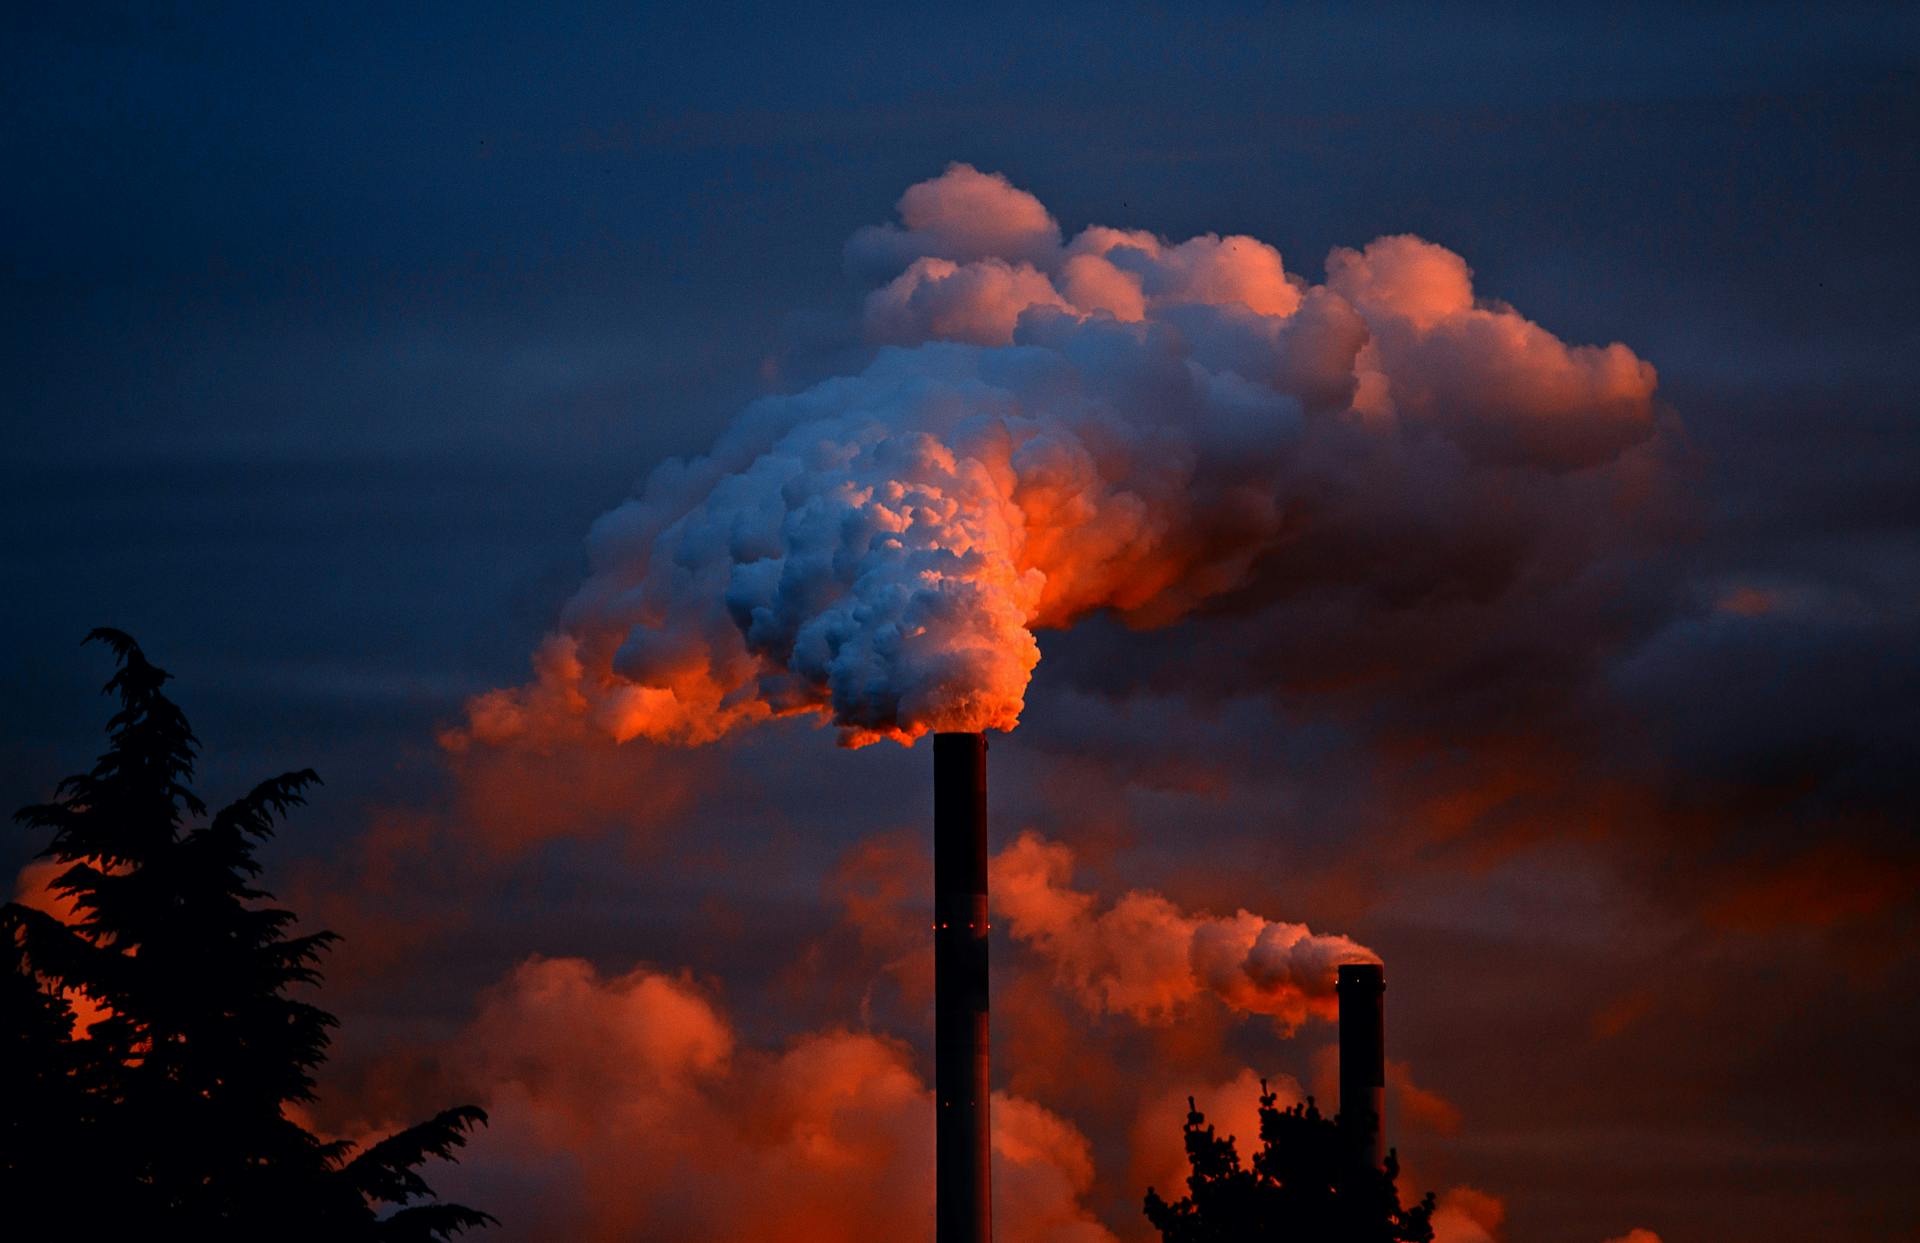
column 1362, row 989
column 963, row 1196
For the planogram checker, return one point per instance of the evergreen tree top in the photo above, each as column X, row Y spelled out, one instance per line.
column 171, row 1112
column 1306, row 1183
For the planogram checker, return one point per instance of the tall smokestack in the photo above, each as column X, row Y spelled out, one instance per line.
column 1362, row 988
column 963, row 1195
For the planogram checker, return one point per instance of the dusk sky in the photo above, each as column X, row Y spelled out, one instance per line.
column 1494, row 541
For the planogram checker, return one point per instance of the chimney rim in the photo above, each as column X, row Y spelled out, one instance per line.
column 1356, row 974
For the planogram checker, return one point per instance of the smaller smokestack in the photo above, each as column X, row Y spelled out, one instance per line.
column 1362, row 988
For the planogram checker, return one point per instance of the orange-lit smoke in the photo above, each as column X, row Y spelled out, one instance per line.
column 1053, row 427
column 1468, row 1215
column 1146, row 958
column 656, row 1120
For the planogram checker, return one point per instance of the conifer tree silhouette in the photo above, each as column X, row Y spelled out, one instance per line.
column 168, row 1118
column 47, row 1088
column 1307, row 1184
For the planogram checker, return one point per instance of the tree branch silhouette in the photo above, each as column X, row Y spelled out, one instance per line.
column 1306, row 1184
column 169, row 1115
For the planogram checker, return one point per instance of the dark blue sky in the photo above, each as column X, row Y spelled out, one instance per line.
column 329, row 333
column 305, row 311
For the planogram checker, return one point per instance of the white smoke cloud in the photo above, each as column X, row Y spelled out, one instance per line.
column 1114, row 423
column 1144, row 957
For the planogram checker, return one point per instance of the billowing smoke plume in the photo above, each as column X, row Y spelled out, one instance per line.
column 1050, row 428
column 628, row 1107
column 1138, row 955
column 1145, row 958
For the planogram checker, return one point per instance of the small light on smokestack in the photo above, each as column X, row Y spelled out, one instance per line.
column 963, row 1201
column 1362, row 988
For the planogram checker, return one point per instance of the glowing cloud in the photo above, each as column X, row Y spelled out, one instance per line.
column 1467, row 1215
column 1048, row 429
column 650, row 1118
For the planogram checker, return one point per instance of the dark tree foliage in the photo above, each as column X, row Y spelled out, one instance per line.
column 1307, row 1184
column 167, row 1118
